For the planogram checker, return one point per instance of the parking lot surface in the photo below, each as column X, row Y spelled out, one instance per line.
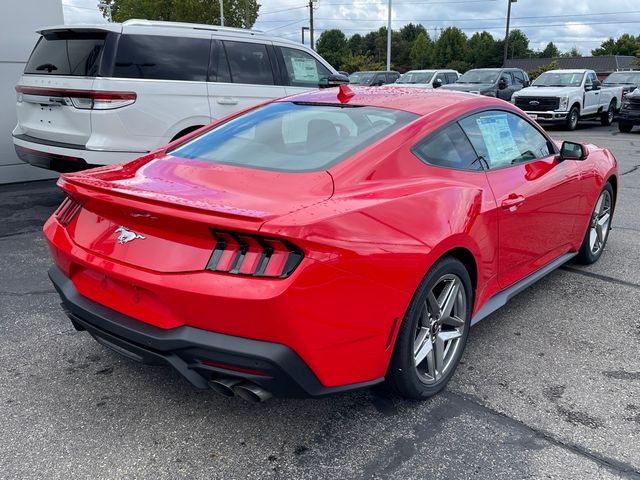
column 549, row 386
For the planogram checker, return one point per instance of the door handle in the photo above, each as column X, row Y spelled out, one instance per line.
column 227, row 100
column 512, row 202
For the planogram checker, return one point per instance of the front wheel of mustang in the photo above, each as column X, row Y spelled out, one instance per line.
column 599, row 225
column 433, row 333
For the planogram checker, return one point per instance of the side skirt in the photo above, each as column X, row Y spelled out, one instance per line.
column 501, row 298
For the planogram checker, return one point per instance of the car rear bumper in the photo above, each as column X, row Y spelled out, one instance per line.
column 197, row 355
column 65, row 157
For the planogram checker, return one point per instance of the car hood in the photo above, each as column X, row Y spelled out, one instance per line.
column 546, row 91
column 469, row 87
column 412, row 85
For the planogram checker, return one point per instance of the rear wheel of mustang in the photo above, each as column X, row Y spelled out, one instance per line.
column 599, row 225
column 433, row 333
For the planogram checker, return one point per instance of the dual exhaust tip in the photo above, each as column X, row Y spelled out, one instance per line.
column 246, row 390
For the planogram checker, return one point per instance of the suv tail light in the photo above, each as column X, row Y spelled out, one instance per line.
column 241, row 254
column 82, row 99
column 68, row 209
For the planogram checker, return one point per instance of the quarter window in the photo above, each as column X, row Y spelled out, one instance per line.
column 449, row 148
column 503, row 139
column 519, row 77
column 164, row 58
column 302, row 69
column 249, row 63
column 452, row 77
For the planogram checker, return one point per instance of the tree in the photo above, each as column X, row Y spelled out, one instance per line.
column 550, row 51
column 484, row 51
column 356, row 63
column 194, row 11
column 407, row 35
column 627, row 45
column 518, row 45
column 420, row 52
column 451, row 46
column 571, row 53
column 608, row 47
column 356, row 44
column 533, row 74
column 332, row 45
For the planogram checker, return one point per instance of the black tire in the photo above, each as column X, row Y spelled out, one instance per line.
column 606, row 118
column 402, row 375
column 573, row 117
column 625, row 127
column 586, row 254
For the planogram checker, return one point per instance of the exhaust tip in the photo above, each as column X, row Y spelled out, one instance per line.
column 224, row 386
column 251, row 392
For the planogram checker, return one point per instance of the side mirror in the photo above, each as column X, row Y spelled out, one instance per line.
column 527, row 83
column 597, row 84
column 502, row 84
column 573, row 151
column 437, row 83
column 334, row 80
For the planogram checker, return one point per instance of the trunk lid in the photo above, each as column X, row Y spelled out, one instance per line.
column 176, row 203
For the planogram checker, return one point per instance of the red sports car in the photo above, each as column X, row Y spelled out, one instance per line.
column 327, row 241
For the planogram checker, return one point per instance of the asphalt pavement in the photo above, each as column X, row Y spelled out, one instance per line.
column 549, row 386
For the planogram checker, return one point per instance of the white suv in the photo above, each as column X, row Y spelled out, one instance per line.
column 428, row 78
column 102, row 94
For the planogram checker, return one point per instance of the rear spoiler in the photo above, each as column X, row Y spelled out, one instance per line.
column 82, row 28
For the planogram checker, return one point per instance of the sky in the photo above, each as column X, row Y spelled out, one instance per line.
column 583, row 24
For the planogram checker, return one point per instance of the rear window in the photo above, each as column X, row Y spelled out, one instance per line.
column 293, row 137
column 162, row 58
column 67, row 53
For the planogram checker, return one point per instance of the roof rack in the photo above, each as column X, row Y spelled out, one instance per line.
column 192, row 26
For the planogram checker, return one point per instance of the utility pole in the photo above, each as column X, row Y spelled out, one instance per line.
column 389, row 38
column 311, row 23
column 246, row 14
column 222, row 13
column 506, row 35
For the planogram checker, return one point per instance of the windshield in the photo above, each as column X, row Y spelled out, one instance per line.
column 556, row 79
column 294, row 137
column 416, row 77
column 479, row 76
column 67, row 53
column 361, row 78
column 623, row 78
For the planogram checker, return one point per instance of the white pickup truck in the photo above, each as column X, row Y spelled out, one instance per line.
column 566, row 96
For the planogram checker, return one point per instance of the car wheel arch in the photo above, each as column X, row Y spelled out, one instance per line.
column 186, row 131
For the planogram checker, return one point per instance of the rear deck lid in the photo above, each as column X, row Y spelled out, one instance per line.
column 175, row 204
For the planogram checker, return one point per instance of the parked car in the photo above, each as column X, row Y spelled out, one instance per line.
column 373, row 79
column 427, row 78
column 629, row 114
column 101, row 94
column 628, row 81
column 303, row 248
column 566, row 96
column 492, row 82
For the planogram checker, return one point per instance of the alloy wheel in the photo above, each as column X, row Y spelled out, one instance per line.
column 439, row 332
column 600, row 221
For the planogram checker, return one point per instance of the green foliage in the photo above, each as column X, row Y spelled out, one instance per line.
column 451, row 46
column 332, row 45
column 550, row 51
column 484, row 51
column 356, row 44
column 357, row 63
column 533, row 74
column 571, row 53
column 625, row 45
column 194, row 11
column 518, row 45
column 420, row 53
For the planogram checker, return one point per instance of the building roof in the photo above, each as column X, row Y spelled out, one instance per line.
column 599, row 64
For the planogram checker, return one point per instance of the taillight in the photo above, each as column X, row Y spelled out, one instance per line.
column 68, row 209
column 242, row 254
column 82, row 99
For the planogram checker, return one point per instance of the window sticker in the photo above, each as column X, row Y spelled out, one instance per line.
column 304, row 69
column 498, row 138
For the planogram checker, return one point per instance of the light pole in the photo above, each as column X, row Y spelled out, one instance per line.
column 506, row 35
column 222, row 13
column 389, row 38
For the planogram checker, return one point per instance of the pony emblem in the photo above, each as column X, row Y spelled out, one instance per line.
column 127, row 235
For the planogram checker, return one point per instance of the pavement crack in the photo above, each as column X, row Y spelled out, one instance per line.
column 630, row 171
column 611, row 464
column 597, row 276
column 25, row 294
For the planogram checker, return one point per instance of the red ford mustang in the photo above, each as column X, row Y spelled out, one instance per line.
column 327, row 241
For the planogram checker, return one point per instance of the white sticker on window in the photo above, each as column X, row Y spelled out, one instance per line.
column 501, row 147
column 304, row 69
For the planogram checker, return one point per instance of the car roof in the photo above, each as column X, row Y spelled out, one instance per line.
column 569, row 70
column 418, row 101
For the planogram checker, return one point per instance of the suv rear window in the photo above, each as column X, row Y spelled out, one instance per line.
column 293, row 137
column 67, row 53
column 163, row 58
